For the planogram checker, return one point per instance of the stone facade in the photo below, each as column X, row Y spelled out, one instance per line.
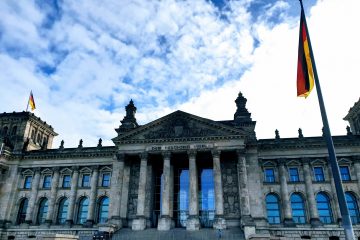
column 155, row 177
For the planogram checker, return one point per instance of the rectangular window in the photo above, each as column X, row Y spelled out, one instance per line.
column 85, row 180
column 345, row 173
column 105, row 180
column 47, row 181
column 319, row 174
column 27, row 182
column 269, row 175
column 294, row 175
column 66, row 181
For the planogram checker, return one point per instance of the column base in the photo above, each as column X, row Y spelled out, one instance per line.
column 139, row 223
column 89, row 223
column 48, row 222
column 219, row 222
column 116, row 220
column 315, row 222
column 247, row 220
column 288, row 222
column 164, row 223
column 193, row 223
column 69, row 222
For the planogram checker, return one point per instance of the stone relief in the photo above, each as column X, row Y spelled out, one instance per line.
column 133, row 189
column 230, row 188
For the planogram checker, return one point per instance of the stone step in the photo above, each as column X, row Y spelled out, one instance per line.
column 178, row 234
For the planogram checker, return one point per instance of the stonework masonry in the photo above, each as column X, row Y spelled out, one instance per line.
column 179, row 171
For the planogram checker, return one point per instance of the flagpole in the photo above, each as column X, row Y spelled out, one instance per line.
column 346, row 221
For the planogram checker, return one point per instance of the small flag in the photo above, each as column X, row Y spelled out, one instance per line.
column 305, row 74
column 31, row 101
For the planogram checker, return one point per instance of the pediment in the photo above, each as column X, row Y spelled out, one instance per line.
column 293, row 163
column 344, row 161
column 180, row 125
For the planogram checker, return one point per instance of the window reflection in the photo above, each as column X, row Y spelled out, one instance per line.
column 183, row 197
column 207, row 198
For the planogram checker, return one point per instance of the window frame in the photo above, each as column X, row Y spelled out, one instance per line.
column 325, row 219
column 274, row 219
column 63, row 181
column 103, row 179
column 26, row 177
column 47, row 184
column 60, row 213
column 298, row 219
column 88, row 183
column 80, row 210
column 100, row 211
column 345, row 177
column 316, row 179
column 296, row 176
column 267, row 178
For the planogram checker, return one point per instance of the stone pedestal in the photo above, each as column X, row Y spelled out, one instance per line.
column 165, row 223
column 219, row 222
column 117, row 221
column 250, row 231
column 193, row 223
column 289, row 222
column 139, row 224
column 315, row 222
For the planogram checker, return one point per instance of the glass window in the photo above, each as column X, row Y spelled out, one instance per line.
column 294, row 175
column 352, row 207
column 47, row 181
column 63, row 210
column 324, row 208
column 298, row 208
column 272, row 209
column 27, row 182
column 85, row 180
column 345, row 173
column 269, row 175
column 319, row 174
column 22, row 211
column 182, row 196
column 82, row 210
column 66, row 181
column 103, row 210
column 105, row 180
column 207, row 198
column 43, row 209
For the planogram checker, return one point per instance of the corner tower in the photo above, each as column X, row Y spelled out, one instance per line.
column 353, row 117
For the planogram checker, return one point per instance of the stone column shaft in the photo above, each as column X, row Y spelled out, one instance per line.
column 285, row 194
column 53, row 193
column 165, row 221
column 116, row 187
column 334, row 195
column 33, row 196
column 140, row 222
column 357, row 170
column 125, row 193
column 193, row 222
column 93, row 192
column 73, row 192
column 219, row 222
column 314, row 215
column 244, row 192
column 171, row 191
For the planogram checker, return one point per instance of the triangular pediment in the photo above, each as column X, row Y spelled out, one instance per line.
column 180, row 125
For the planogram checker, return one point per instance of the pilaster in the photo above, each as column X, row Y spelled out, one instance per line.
column 53, row 193
column 73, row 192
column 288, row 221
column 116, row 189
column 93, row 192
column 219, row 221
column 33, row 196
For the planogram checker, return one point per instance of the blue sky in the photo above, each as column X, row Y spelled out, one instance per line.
column 84, row 61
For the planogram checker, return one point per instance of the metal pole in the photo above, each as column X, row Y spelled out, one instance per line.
column 348, row 228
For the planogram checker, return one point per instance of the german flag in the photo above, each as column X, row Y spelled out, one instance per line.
column 305, row 74
column 31, row 101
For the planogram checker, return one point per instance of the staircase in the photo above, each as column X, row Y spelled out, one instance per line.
column 178, row 234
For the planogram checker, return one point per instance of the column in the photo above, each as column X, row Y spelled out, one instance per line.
column 125, row 195
column 357, row 171
column 193, row 222
column 115, row 189
column 33, row 195
column 288, row 221
column 165, row 220
column 73, row 192
column 53, row 193
column 93, row 193
column 246, row 219
column 140, row 222
column 335, row 203
column 172, row 195
column 219, row 221
column 314, row 215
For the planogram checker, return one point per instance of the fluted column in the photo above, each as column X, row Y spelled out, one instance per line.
column 193, row 222
column 314, row 215
column 33, row 196
column 140, row 222
column 288, row 221
column 115, row 189
column 73, row 192
column 53, row 193
column 219, row 221
column 246, row 218
column 165, row 220
column 93, row 192
column 335, row 203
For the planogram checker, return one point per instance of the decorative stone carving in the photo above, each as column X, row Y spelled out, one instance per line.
column 230, row 189
column 133, row 189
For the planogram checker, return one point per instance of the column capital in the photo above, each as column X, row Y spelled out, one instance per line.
column 306, row 161
column 143, row 156
column 119, row 157
column 55, row 169
column 37, row 169
column 191, row 153
column 95, row 168
column 166, row 155
column 282, row 161
column 356, row 159
column 240, row 152
column 75, row 168
column 216, row 153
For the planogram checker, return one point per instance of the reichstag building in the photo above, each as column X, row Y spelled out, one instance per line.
column 179, row 173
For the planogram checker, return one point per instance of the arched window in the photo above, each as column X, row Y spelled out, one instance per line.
column 103, row 210
column 22, row 211
column 43, row 209
column 82, row 210
column 273, row 209
column 298, row 208
column 324, row 208
column 353, row 207
column 63, row 210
